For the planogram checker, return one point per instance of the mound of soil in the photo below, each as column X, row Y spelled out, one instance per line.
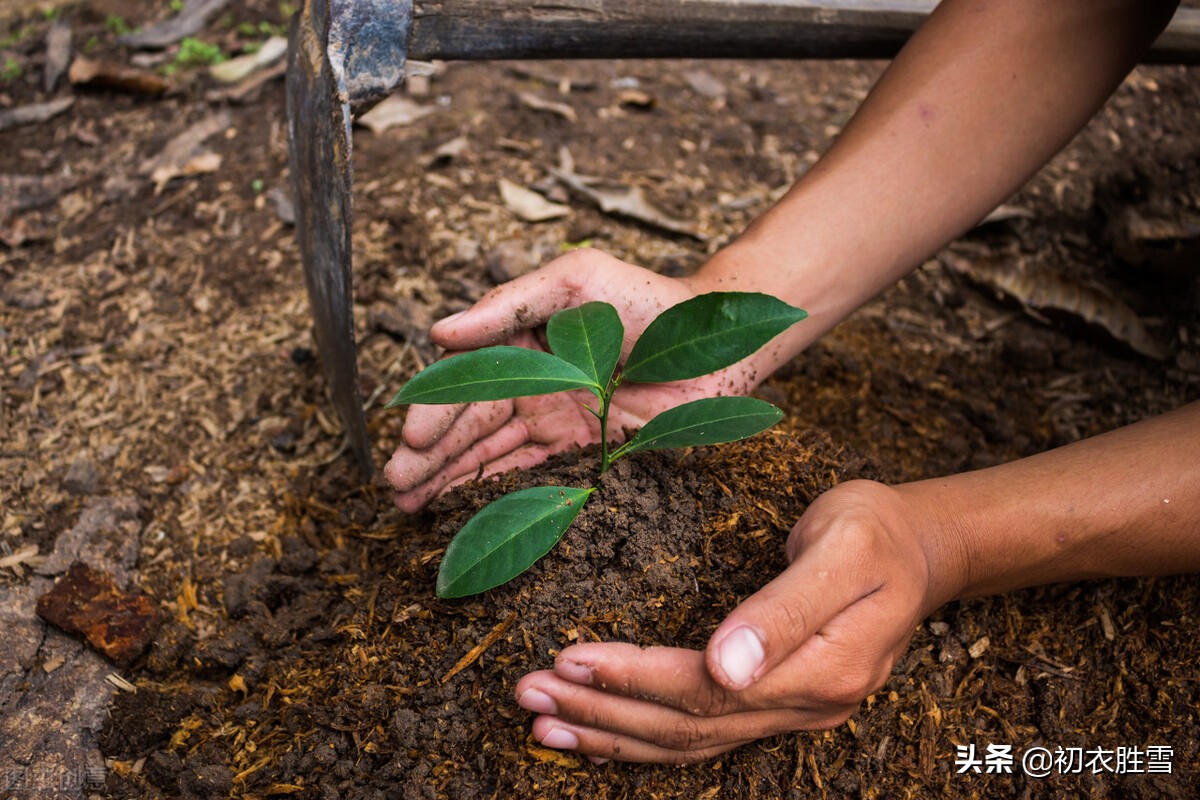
column 340, row 675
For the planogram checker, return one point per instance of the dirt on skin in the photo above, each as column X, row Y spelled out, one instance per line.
column 155, row 341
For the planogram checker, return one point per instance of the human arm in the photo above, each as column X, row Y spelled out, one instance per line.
column 980, row 98
column 868, row 562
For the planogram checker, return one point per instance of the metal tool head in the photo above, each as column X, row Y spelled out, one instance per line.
column 342, row 54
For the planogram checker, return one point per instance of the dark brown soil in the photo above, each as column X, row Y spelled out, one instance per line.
column 157, row 344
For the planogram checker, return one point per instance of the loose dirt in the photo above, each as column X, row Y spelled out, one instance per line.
column 155, row 342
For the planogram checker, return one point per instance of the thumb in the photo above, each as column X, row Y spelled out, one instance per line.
column 773, row 623
column 526, row 302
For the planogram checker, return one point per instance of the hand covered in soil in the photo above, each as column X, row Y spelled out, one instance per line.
column 801, row 653
column 446, row 445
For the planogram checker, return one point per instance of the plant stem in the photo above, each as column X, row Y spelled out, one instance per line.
column 605, row 457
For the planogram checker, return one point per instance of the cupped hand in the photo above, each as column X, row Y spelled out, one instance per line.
column 801, row 653
column 445, row 445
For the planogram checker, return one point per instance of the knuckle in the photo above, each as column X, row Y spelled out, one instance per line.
column 686, row 732
column 847, row 689
column 791, row 617
column 714, row 701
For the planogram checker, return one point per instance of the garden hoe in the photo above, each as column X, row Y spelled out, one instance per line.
column 347, row 55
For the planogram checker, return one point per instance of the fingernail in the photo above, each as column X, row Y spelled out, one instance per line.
column 574, row 672
column 538, row 702
column 597, row 761
column 449, row 319
column 741, row 655
column 560, row 739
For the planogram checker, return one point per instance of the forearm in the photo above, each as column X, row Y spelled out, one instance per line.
column 1126, row 503
column 983, row 95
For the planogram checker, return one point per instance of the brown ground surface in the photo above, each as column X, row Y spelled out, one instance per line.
column 157, row 343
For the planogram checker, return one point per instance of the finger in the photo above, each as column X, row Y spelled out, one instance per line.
column 650, row 721
column 771, row 624
column 526, row 302
column 562, row 735
column 668, row 676
column 410, row 467
column 510, row 436
column 426, row 425
column 524, row 457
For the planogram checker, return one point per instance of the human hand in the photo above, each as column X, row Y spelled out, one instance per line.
column 801, row 653
column 446, row 445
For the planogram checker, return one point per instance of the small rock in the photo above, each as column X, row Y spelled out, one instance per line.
column 298, row 556
column 508, row 260
column 466, row 250
column 27, row 299
column 82, row 476
column 705, row 83
column 243, row 587
column 285, row 209
column 242, row 546
column 209, row 780
column 88, row 602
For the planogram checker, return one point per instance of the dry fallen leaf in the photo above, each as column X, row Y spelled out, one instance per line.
column 626, row 201
column 1043, row 292
column 236, row 69
column 33, row 113
column 185, row 154
column 194, row 15
column 393, row 112
column 529, row 205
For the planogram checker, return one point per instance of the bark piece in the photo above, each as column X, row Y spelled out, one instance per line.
column 88, row 602
column 111, row 75
column 58, row 53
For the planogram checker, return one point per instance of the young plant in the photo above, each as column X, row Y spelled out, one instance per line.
column 696, row 337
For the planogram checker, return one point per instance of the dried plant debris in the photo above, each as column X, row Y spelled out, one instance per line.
column 533, row 101
column 528, row 204
column 88, row 602
column 242, row 67
column 1041, row 292
column 33, row 113
column 1167, row 245
column 1005, row 213
column 185, row 154
column 188, row 22
column 625, row 201
column 24, row 192
column 395, row 111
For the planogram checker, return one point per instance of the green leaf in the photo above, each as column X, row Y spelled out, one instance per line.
column 506, row 537
column 707, row 333
column 712, row 420
column 590, row 337
column 492, row 373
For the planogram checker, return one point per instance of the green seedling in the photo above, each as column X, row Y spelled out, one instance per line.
column 10, row 71
column 697, row 337
column 116, row 24
column 195, row 52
